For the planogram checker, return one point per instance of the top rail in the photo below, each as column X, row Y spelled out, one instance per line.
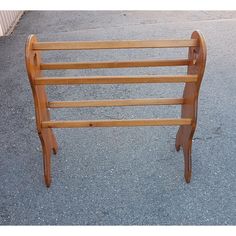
column 86, row 45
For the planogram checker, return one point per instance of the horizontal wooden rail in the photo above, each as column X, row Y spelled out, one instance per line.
column 114, row 123
column 120, row 102
column 115, row 79
column 113, row 64
column 82, row 45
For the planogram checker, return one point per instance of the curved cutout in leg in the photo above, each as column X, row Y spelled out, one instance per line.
column 178, row 141
column 54, row 145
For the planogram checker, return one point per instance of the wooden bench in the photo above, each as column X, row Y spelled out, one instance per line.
column 195, row 63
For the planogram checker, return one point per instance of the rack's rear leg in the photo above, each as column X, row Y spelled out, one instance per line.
column 47, row 138
column 54, row 144
column 53, row 141
column 178, row 141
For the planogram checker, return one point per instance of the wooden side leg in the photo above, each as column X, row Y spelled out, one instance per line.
column 46, row 135
column 184, row 140
column 190, row 95
column 47, row 167
column 187, row 149
column 46, row 147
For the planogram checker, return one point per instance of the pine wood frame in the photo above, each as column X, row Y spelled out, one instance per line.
column 195, row 62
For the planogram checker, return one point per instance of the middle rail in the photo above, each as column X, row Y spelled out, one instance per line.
column 117, row 102
column 116, row 79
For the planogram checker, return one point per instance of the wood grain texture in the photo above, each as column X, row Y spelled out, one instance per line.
column 114, row 123
column 47, row 137
column 89, row 45
column 189, row 108
column 116, row 79
column 118, row 102
column 113, row 64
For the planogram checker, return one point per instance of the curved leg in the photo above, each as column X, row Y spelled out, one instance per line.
column 197, row 55
column 46, row 146
column 187, row 162
column 184, row 139
column 53, row 140
column 47, row 169
column 47, row 138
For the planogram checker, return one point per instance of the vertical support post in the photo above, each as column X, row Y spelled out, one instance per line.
column 47, row 138
column 189, row 109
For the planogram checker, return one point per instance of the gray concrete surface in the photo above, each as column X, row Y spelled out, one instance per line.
column 119, row 176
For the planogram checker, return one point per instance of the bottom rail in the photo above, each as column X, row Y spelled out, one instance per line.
column 115, row 123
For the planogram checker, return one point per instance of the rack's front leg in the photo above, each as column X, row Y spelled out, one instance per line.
column 187, row 149
column 184, row 139
column 46, row 135
column 45, row 138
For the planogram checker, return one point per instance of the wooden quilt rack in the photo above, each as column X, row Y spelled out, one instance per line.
column 195, row 69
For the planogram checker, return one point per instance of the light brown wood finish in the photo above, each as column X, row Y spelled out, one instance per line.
column 113, row 64
column 114, row 123
column 46, row 135
column 90, row 45
column 119, row 102
column 189, row 109
column 115, row 79
column 195, row 62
